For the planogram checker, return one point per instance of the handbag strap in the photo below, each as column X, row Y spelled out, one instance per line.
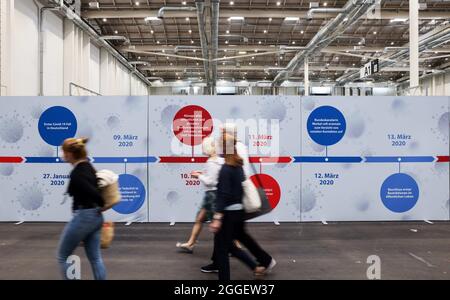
column 256, row 173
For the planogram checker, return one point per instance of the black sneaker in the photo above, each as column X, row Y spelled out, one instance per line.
column 211, row 268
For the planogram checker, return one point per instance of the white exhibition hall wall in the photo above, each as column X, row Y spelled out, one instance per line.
column 70, row 57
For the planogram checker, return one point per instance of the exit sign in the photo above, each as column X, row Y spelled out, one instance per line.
column 369, row 68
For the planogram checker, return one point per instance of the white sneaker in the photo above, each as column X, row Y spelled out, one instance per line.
column 261, row 271
column 272, row 264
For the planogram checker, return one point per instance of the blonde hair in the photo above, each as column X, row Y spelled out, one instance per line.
column 229, row 128
column 76, row 146
column 232, row 158
column 209, row 146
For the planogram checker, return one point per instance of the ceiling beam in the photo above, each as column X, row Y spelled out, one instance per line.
column 253, row 13
column 259, row 68
column 264, row 48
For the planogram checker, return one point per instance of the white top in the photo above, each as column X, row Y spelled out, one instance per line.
column 210, row 174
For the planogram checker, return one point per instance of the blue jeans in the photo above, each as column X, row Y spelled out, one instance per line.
column 85, row 226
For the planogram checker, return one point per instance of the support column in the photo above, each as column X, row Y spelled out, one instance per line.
column 306, row 76
column 413, row 44
column 69, row 54
column 6, row 54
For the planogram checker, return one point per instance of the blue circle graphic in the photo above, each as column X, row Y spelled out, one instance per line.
column 133, row 194
column 399, row 192
column 326, row 125
column 56, row 124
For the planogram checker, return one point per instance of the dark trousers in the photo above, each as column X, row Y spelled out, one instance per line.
column 233, row 228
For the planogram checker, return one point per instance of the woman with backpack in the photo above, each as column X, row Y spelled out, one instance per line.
column 87, row 220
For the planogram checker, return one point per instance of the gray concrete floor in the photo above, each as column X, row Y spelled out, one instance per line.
column 408, row 250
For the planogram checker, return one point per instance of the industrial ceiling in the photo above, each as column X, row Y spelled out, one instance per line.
column 269, row 40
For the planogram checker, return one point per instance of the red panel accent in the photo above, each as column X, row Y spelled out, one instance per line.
column 182, row 159
column 266, row 159
column 443, row 159
column 11, row 159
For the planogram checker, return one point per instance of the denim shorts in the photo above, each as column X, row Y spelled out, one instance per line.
column 209, row 204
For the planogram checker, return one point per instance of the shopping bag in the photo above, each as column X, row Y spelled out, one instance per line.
column 107, row 234
column 265, row 206
column 251, row 199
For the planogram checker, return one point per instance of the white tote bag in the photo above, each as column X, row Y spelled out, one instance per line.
column 251, row 199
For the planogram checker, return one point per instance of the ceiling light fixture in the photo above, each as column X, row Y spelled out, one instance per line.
column 94, row 4
column 398, row 20
column 236, row 18
column 150, row 19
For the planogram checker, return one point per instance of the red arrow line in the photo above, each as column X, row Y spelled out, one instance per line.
column 182, row 159
column 11, row 159
column 265, row 159
column 443, row 158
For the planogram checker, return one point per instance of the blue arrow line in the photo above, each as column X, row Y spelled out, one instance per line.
column 403, row 159
column 329, row 159
column 99, row 160
column 129, row 160
column 46, row 160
